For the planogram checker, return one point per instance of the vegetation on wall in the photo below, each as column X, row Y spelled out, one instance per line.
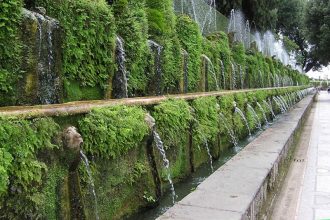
column 205, row 120
column 10, row 49
column 23, row 172
column 162, row 22
column 172, row 118
column 191, row 41
column 111, row 132
column 216, row 47
column 132, row 26
column 88, row 45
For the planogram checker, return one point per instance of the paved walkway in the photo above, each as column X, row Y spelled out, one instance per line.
column 306, row 191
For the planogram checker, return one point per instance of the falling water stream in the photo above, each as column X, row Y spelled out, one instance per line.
column 91, row 183
column 222, row 68
column 255, row 116
column 188, row 185
column 234, row 85
column 211, row 70
column 229, row 129
column 209, row 154
column 46, row 40
column 241, row 76
column 263, row 113
column 285, row 106
column 166, row 163
column 120, row 77
column 270, row 108
column 158, row 69
column 279, row 104
column 239, row 111
column 284, row 102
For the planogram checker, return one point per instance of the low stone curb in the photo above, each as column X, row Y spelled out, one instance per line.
column 243, row 186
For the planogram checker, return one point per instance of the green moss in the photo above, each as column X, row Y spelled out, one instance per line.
column 161, row 20
column 121, row 184
column 10, row 50
column 22, row 140
column 111, row 132
column 50, row 194
column 173, row 117
column 191, row 41
column 205, row 130
column 132, row 26
column 206, row 120
column 88, row 42
column 216, row 47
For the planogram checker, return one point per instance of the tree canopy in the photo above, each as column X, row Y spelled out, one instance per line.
column 317, row 24
column 304, row 24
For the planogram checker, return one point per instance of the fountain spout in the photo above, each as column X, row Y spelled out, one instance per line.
column 72, row 141
column 160, row 146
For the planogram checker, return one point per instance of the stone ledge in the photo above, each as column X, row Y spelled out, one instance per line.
column 238, row 190
column 83, row 107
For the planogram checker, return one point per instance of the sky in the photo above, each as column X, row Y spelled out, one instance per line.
column 324, row 73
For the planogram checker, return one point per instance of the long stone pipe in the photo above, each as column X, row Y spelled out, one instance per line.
column 83, row 107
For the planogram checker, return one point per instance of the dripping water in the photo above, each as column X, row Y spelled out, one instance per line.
column 239, row 111
column 212, row 70
column 166, row 162
column 120, row 77
column 255, row 116
column 263, row 113
column 91, row 183
column 158, row 69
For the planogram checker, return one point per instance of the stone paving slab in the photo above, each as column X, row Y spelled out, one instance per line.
column 234, row 190
column 182, row 212
column 315, row 192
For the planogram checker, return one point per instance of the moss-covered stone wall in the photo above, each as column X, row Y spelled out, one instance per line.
column 86, row 58
column 38, row 179
column 10, row 50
